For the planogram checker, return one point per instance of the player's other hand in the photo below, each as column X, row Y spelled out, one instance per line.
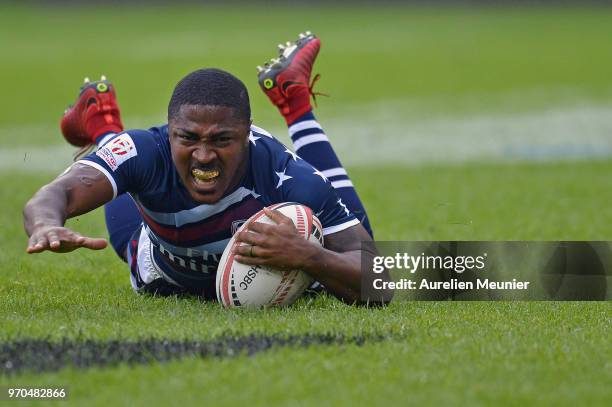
column 61, row 240
column 280, row 246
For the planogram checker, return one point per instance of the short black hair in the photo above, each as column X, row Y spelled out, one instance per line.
column 211, row 87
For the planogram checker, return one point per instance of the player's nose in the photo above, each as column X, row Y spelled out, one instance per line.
column 204, row 155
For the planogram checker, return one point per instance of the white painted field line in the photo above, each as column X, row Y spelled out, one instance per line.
column 570, row 133
column 580, row 132
column 35, row 159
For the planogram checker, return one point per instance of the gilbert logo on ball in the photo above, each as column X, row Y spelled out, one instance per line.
column 257, row 286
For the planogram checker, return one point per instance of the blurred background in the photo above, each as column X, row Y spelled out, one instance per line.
column 407, row 83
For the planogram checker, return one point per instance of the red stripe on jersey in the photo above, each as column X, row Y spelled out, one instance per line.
column 207, row 227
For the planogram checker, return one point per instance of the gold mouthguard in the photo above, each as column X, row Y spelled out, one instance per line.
column 204, row 175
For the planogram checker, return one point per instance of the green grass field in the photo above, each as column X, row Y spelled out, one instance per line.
column 490, row 77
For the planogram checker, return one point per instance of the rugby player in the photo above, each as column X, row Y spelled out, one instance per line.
column 175, row 194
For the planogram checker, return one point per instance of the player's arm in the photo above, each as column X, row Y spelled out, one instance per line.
column 337, row 265
column 79, row 190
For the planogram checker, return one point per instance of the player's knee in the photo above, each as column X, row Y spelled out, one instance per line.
column 119, row 244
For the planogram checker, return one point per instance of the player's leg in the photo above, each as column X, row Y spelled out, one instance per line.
column 122, row 220
column 286, row 82
column 94, row 118
column 145, row 276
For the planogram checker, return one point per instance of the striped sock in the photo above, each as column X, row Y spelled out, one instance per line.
column 312, row 145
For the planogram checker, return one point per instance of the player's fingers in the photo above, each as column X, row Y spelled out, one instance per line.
column 259, row 227
column 251, row 261
column 32, row 243
column 252, row 238
column 252, row 251
column 276, row 216
column 54, row 240
column 37, row 244
column 92, row 243
column 67, row 240
column 245, row 250
column 75, row 236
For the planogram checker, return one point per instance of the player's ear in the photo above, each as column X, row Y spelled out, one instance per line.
column 248, row 131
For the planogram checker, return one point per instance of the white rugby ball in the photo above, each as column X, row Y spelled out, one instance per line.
column 241, row 285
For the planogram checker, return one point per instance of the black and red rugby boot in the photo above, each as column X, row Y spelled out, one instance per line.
column 94, row 113
column 286, row 79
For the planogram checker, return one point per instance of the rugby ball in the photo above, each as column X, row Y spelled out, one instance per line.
column 241, row 285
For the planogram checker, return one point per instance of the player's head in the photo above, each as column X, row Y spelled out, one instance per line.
column 209, row 119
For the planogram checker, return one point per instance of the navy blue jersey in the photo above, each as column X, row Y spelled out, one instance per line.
column 189, row 237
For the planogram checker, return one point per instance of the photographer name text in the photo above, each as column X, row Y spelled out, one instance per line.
column 456, row 264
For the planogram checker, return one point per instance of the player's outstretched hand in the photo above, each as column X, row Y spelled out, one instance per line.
column 279, row 246
column 61, row 240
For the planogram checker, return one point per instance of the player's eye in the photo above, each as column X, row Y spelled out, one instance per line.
column 222, row 141
column 187, row 137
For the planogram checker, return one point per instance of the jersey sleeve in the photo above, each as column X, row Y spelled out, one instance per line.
column 309, row 187
column 130, row 160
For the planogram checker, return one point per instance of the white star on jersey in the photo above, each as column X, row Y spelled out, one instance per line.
column 292, row 154
column 252, row 139
column 282, row 178
column 344, row 207
column 320, row 174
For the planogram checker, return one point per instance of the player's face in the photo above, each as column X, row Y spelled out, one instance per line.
column 209, row 149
